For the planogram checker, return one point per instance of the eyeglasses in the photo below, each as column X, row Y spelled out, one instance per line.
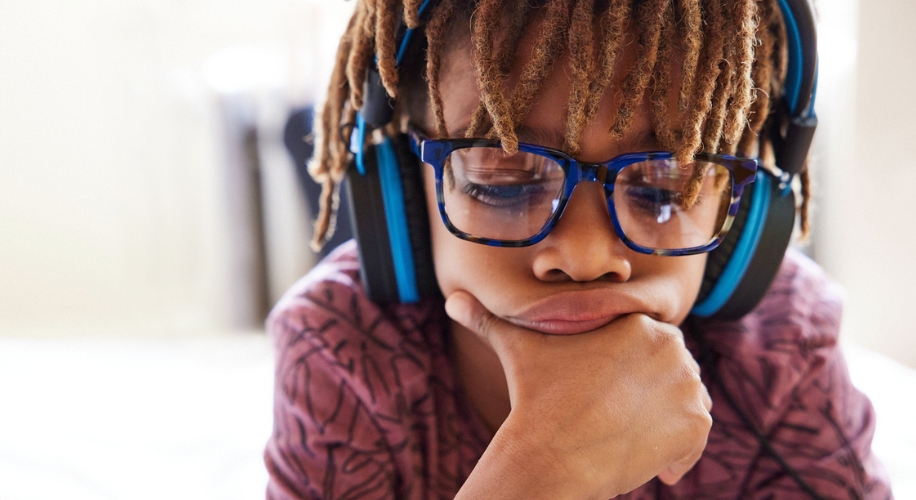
column 497, row 199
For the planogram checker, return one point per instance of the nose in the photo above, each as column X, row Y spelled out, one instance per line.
column 583, row 246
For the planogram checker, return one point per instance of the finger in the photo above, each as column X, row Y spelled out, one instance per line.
column 673, row 474
column 676, row 471
column 464, row 308
column 693, row 363
column 704, row 391
column 707, row 400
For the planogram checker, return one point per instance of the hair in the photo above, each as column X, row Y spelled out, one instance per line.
column 731, row 53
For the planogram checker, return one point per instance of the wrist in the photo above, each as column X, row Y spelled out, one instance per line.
column 520, row 463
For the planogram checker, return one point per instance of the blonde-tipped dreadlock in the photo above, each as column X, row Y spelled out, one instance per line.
column 581, row 68
column 730, row 56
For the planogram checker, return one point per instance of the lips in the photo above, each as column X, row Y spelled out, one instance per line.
column 563, row 327
column 570, row 313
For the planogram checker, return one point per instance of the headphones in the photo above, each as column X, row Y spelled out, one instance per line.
column 391, row 227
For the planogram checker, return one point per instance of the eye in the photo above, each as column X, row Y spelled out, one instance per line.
column 504, row 195
column 658, row 203
column 648, row 196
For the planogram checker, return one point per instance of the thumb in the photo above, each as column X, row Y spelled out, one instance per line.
column 464, row 308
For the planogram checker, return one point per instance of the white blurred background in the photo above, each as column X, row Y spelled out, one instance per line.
column 126, row 224
column 114, row 213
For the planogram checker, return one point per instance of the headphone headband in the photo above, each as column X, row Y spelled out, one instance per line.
column 801, row 77
column 793, row 123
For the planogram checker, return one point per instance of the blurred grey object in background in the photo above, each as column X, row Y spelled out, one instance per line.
column 250, row 301
column 298, row 138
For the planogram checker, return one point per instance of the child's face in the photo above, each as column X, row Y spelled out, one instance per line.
column 581, row 276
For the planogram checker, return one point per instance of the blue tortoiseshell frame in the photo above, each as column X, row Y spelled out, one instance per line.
column 435, row 151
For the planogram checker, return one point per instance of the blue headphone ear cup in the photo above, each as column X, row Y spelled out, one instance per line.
column 770, row 231
column 719, row 258
column 417, row 217
column 389, row 236
column 370, row 229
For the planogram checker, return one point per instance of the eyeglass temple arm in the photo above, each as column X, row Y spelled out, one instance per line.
column 415, row 141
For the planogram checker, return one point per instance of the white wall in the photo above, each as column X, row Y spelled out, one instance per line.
column 111, row 216
column 866, row 233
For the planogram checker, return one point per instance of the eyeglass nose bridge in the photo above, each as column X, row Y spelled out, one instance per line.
column 592, row 172
column 579, row 172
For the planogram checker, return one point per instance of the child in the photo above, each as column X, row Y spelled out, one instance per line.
column 561, row 359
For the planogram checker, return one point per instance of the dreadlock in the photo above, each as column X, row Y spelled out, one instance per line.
column 518, row 17
column 650, row 17
column 547, row 50
column 724, row 91
column 435, row 33
column 661, row 79
column 490, row 78
column 613, row 25
column 581, row 67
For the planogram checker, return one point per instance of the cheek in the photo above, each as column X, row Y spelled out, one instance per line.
column 446, row 258
column 685, row 275
column 462, row 265
column 693, row 268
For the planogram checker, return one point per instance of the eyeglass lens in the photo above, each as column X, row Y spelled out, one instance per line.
column 660, row 207
column 490, row 194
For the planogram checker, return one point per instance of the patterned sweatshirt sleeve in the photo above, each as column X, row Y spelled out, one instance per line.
column 333, row 437
column 824, row 434
column 325, row 442
column 788, row 415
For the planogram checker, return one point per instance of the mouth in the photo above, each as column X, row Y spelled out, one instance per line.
column 571, row 313
column 561, row 326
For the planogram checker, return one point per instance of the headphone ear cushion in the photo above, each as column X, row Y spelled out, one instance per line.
column 718, row 258
column 417, row 216
column 740, row 271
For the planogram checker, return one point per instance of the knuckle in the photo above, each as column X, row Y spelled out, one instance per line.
column 631, row 323
column 703, row 421
column 700, row 421
column 666, row 338
column 667, row 341
column 485, row 324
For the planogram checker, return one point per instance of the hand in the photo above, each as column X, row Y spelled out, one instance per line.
column 601, row 412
